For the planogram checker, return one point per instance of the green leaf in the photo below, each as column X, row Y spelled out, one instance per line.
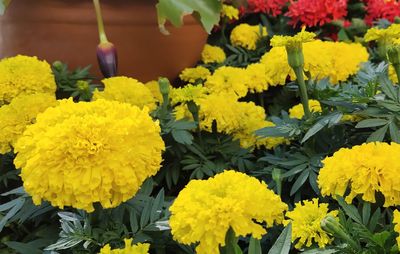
column 394, row 132
column 374, row 219
column 350, row 210
column 299, row 182
column 282, row 244
column 378, row 135
column 157, row 206
column 366, row 213
column 182, row 136
column 342, row 35
column 330, row 120
column 23, row 248
column 254, row 246
column 175, row 10
column 368, row 123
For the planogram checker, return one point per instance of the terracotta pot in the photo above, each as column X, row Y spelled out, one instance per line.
column 66, row 30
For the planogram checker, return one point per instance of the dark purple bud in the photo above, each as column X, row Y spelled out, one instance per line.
column 107, row 59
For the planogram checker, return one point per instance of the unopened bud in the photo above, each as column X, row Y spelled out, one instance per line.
column 393, row 53
column 57, row 65
column 107, row 59
column 295, row 57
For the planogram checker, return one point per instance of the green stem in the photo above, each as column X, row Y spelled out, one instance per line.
column 303, row 91
column 100, row 24
column 397, row 69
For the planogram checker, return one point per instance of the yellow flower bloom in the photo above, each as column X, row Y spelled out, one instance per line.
column 205, row 209
column 228, row 79
column 193, row 74
column 385, row 35
column 393, row 75
column 350, row 118
column 306, row 223
column 258, row 77
column 322, row 59
column 24, row 75
column 128, row 90
column 140, row 248
column 298, row 110
column 212, row 54
column 155, row 90
column 364, row 170
column 182, row 112
column 77, row 154
column 21, row 112
column 229, row 12
column 188, row 93
column 247, row 36
column 396, row 222
column 292, row 41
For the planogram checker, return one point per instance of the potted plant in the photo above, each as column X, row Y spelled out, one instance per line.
column 67, row 30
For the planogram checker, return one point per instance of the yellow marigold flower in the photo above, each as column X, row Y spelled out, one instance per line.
column 155, row 90
column 193, row 74
column 188, row 93
column 396, row 222
column 21, row 112
column 228, row 79
column 306, row 223
column 322, row 59
column 140, row 248
column 128, row 90
column 24, row 75
column 77, row 154
column 205, row 209
column 385, row 35
column 393, row 75
column 230, row 12
column 247, row 36
column 350, row 118
column 182, row 112
column 258, row 77
column 212, row 54
column 292, row 41
column 364, row 170
column 298, row 110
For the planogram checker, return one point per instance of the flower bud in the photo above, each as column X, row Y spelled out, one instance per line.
column 331, row 225
column 393, row 53
column 107, row 59
column 57, row 65
column 295, row 56
column 164, row 86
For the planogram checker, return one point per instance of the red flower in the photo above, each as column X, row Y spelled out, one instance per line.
column 273, row 7
column 382, row 9
column 316, row 12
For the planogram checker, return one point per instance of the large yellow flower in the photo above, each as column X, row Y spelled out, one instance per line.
column 205, row 210
column 77, row 154
column 140, row 248
column 24, row 75
column 306, row 220
column 128, row 90
column 247, row 36
column 212, row 54
column 298, row 110
column 229, row 79
column 364, row 170
column 21, row 112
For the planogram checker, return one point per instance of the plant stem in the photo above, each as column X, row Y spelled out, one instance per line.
column 303, row 91
column 100, row 24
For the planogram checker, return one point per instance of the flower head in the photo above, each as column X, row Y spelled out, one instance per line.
column 306, row 223
column 77, row 154
column 396, row 222
column 273, row 7
column 20, row 113
column 247, row 36
column 128, row 90
column 230, row 12
column 188, row 93
column 140, row 248
column 316, row 12
column 205, row 210
column 383, row 35
column 258, row 77
column 298, row 110
column 227, row 79
column 363, row 170
column 295, row 41
column 193, row 74
column 212, row 54
column 24, row 75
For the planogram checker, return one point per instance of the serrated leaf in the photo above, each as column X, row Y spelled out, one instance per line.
column 299, row 182
column 378, row 135
column 157, row 206
column 182, row 136
column 175, row 10
column 366, row 213
column 329, row 120
column 145, row 216
column 282, row 244
column 368, row 123
column 394, row 132
column 350, row 210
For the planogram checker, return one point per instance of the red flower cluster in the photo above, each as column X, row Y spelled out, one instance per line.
column 273, row 7
column 381, row 9
column 316, row 12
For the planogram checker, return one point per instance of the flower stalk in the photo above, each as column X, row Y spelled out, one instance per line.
column 332, row 226
column 393, row 54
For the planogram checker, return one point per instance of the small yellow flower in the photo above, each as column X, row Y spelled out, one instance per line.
column 292, row 41
column 298, row 110
column 193, row 74
column 188, row 93
column 247, row 36
column 306, row 223
column 140, row 248
column 212, row 54
column 230, row 12
column 388, row 34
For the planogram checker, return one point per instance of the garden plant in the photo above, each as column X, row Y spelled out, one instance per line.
column 283, row 138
